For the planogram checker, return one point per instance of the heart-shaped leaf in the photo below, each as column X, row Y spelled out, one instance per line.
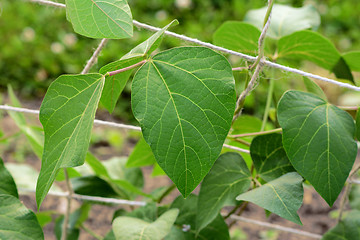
column 228, row 178
column 100, row 18
column 282, row 196
column 67, row 115
column 184, row 100
column 269, row 157
column 285, row 20
column 16, row 221
column 129, row 228
column 319, row 141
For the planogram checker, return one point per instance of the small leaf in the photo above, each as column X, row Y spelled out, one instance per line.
column 7, row 184
column 16, row 221
column 358, row 124
column 269, row 157
column 141, row 155
column 285, row 20
column 150, row 44
column 100, row 18
column 353, row 60
column 312, row 87
column 282, row 196
column 44, row 218
column 194, row 88
column 67, row 115
column 114, row 85
column 228, row 177
column 96, row 165
column 319, row 141
column 129, row 228
column 347, row 229
column 238, row 36
column 93, row 186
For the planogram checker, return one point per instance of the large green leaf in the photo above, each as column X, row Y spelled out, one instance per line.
column 67, row 115
column 149, row 45
column 269, row 157
column 347, row 229
column 312, row 46
column 16, row 221
column 282, row 196
column 7, row 184
column 285, row 20
column 353, row 60
column 115, row 84
column 129, row 228
column 319, row 141
column 185, row 223
column 100, row 18
column 238, row 36
column 184, row 100
column 228, row 178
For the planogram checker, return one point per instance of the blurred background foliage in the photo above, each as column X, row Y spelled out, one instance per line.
column 38, row 44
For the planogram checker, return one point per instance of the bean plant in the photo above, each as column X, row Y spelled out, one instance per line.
column 196, row 129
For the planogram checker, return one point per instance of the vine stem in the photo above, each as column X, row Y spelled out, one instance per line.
column 258, row 65
column 68, row 207
column 91, row 232
column 268, row 103
column 126, row 68
column 94, row 57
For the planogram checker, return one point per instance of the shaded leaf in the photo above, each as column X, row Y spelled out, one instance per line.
column 282, row 196
column 342, row 70
column 318, row 139
column 353, row 60
column 285, row 20
column 93, row 186
column 170, row 99
column 269, row 157
column 238, row 36
column 347, row 229
column 129, row 228
column 100, row 18
column 228, row 178
column 67, row 115
column 150, row 44
column 16, row 221
column 7, row 184
column 114, row 85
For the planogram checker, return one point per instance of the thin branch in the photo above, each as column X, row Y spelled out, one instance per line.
column 240, row 68
column 277, row 227
column 277, row 130
column 343, row 201
column 126, row 68
column 224, row 50
column 91, row 232
column 236, row 148
column 242, row 142
column 94, row 57
column 68, row 206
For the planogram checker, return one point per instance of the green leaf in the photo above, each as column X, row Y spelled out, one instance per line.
column 157, row 171
column 353, row 60
column 150, row 44
column 67, row 115
column 7, row 184
column 342, row 70
column 44, row 218
column 228, row 178
column 33, row 135
column 96, row 165
column 319, row 141
column 358, row 124
column 115, row 84
column 347, row 229
column 129, row 228
column 269, row 157
column 282, row 196
column 72, row 173
column 93, row 186
column 185, row 223
column 184, row 100
column 16, row 221
column 311, row 46
column 354, row 197
column 100, row 18
column 285, row 20
column 141, row 155
column 312, row 87
column 238, row 36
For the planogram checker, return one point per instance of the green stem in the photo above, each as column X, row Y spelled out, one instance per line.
column 268, row 103
column 167, row 192
column 91, row 232
column 126, row 68
column 68, row 207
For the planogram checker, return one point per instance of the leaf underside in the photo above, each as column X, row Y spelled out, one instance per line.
column 184, row 100
column 67, row 115
column 319, row 141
